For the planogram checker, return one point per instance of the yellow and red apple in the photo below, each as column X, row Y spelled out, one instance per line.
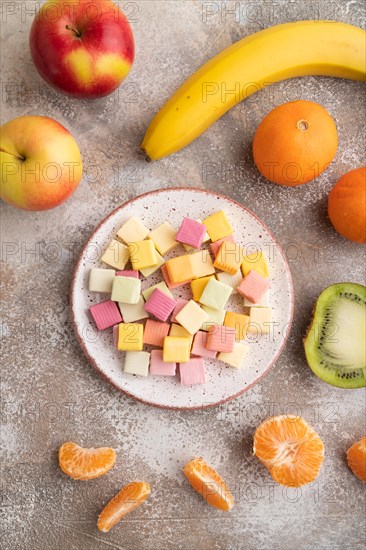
column 40, row 163
column 83, row 48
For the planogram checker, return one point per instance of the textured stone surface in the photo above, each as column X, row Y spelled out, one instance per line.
column 49, row 392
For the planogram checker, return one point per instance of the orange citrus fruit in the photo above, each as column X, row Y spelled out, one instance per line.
column 129, row 498
column 290, row 449
column 356, row 458
column 347, row 205
column 80, row 463
column 295, row 143
column 209, row 484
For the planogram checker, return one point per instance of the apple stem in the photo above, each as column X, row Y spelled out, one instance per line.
column 77, row 33
column 12, row 154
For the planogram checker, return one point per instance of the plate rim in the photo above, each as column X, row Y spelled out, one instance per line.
column 92, row 361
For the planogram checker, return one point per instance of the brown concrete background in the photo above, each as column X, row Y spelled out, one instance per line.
column 50, row 394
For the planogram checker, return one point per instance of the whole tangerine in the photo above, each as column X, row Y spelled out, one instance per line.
column 347, row 205
column 295, row 143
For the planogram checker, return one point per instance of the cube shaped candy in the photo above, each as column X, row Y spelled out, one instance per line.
column 132, row 230
column 215, row 294
column 137, row 362
column 116, row 255
column 126, row 290
column 164, row 272
column 105, row 314
column 147, row 271
column 214, row 247
column 162, row 286
column 176, row 349
column 230, row 280
column 191, row 232
column 133, row 312
column 142, row 254
column 256, row 261
column 253, row 286
column 221, row 338
column 198, row 286
column 164, row 238
column 239, row 321
column 218, row 226
column 215, row 317
column 180, row 269
column 155, row 332
column 260, row 320
column 179, row 306
column 192, row 372
column 130, row 337
column 229, row 257
column 236, row 357
column 158, row 367
column 191, row 317
column 199, row 346
column 101, row 280
column 202, row 264
column 160, row 305
column 206, row 238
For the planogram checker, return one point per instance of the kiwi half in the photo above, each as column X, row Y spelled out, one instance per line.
column 335, row 344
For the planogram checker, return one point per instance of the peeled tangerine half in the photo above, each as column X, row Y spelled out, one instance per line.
column 335, row 344
column 129, row 498
column 290, row 449
column 356, row 458
column 80, row 463
column 209, row 484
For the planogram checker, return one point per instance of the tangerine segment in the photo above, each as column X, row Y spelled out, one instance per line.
column 129, row 497
column 209, row 484
column 80, row 463
column 290, row 449
column 356, row 458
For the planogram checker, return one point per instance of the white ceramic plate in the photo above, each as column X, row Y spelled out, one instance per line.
column 223, row 382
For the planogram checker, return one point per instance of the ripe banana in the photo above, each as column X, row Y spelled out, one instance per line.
column 283, row 51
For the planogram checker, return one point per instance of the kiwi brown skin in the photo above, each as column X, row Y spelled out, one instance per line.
column 318, row 331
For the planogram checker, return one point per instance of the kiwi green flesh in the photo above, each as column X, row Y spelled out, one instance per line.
column 335, row 344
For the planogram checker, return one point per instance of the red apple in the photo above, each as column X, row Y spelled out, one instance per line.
column 40, row 163
column 84, row 48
